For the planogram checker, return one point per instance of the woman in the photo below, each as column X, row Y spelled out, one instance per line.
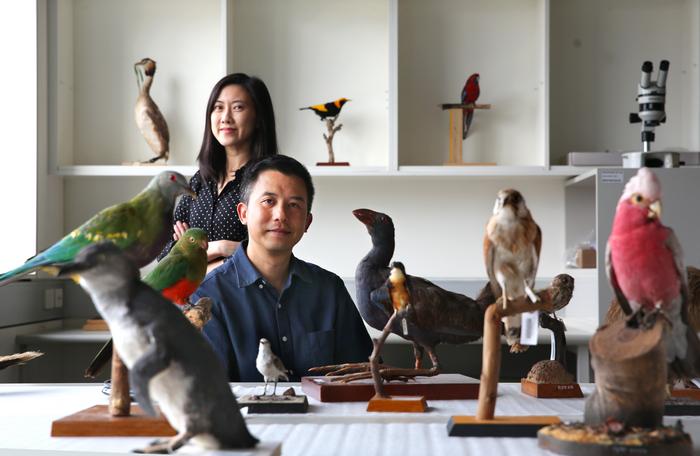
column 239, row 127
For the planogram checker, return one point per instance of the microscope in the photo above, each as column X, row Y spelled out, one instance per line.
column 651, row 97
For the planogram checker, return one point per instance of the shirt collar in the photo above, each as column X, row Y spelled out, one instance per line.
column 247, row 274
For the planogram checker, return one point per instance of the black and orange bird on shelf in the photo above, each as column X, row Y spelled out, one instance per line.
column 330, row 109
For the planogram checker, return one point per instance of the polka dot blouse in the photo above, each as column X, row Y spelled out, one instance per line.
column 212, row 211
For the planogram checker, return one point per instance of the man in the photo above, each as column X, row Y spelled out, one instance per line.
column 263, row 290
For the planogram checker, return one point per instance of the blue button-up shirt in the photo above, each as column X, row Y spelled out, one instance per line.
column 311, row 323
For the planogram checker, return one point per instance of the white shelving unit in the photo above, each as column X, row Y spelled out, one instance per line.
column 591, row 200
column 561, row 76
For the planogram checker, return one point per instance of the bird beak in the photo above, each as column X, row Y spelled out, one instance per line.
column 204, row 244
column 190, row 192
column 366, row 216
column 71, row 270
column 654, row 210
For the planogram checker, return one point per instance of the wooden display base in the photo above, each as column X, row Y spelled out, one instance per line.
column 692, row 393
column 439, row 387
column 408, row 404
column 274, row 404
column 96, row 421
column 580, row 440
column 550, row 390
column 333, row 164
column 95, row 324
column 681, row 406
column 500, row 426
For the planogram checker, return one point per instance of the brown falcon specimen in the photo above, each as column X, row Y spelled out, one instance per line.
column 148, row 117
column 512, row 251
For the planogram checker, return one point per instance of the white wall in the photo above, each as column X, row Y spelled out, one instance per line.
column 296, row 45
column 18, row 134
column 439, row 221
column 98, row 94
column 440, row 44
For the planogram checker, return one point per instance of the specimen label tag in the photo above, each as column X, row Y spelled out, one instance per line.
column 528, row 332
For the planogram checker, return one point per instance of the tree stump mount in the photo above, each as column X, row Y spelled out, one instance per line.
column 328, row 138
column 630, row 372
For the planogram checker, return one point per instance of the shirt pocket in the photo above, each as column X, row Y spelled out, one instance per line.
column 321, row 346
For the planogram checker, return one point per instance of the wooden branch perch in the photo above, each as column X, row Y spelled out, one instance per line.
column 120, row 398
column 552, row 298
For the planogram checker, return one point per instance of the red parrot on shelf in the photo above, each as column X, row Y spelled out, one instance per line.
column 644, row 262
column 470, row 93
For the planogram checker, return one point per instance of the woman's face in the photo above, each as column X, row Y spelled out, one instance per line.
column 233, row 117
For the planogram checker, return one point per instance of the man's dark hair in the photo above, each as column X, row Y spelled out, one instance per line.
column 281, row 163
column 212, row 155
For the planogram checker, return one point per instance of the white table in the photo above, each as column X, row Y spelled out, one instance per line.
column 26, row 413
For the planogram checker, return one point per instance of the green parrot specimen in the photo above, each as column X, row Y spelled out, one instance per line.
column 140, row 227
column 176, row 277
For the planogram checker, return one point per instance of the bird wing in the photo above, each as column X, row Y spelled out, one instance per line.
column 154, row 128
column 489, row 258
column 381, row 298
column 612, row 278
column 537, row 247
column 168, row 272
column 674, row 246
column 443, row 312
column 277, row 362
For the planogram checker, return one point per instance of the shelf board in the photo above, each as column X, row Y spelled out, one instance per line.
column 492, row 171
column 121, row 170
column 349, row 171
column 583, row 177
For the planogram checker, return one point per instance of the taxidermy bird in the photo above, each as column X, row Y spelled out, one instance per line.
column 511, row 252
column 270, row 366
column 437, row 315
column 17, row 359
column 148, row 117
column 176, row 277
column 141, row 227
column 644, row 262
column 470, row 93
column 169, row 361
column 330, row 109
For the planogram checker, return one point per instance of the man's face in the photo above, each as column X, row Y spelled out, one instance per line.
column 277, row 212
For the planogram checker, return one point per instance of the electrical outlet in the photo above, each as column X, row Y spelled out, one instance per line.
column 58, row 298
column 49, row 299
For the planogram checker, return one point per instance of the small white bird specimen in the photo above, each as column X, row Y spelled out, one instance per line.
column 270, row 366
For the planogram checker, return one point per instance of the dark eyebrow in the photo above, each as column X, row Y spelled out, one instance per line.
column 296, row 198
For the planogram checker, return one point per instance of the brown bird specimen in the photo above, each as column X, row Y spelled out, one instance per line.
column 427, row 315
column 511, row 252
column 148, row 117
column 17, row 359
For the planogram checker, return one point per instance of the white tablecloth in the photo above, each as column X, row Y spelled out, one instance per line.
column 26, row 413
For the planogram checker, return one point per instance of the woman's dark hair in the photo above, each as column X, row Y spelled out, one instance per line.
column 212, row 155
column 285, row 165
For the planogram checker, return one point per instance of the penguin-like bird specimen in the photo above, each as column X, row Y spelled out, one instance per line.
column 176, row 277
column 270, row 366
column 148, row 117
column 511, row 252
column 141, row 227
column 330, row 109
column 169, row 361
column 436, row 315
column 644, row 262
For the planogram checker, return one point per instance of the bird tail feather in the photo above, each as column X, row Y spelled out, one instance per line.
column 100, row 360
column 31, row 265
